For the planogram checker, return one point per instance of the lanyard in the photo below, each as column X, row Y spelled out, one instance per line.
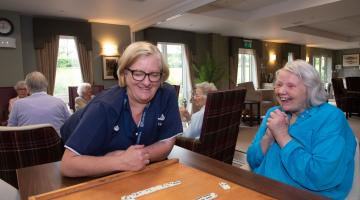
column 140, row 126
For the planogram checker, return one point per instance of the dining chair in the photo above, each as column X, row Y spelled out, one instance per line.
column 353, row 83
column 220, row 126
column 6, row 93
column 347, row 102
column 27, row 146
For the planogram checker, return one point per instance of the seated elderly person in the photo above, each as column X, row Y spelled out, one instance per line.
column 21, row 90
column 196, row 119
column 84, row 91
column 305, row 142
column 39, row 107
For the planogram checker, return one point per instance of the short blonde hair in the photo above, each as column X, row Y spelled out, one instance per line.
column 133, row 52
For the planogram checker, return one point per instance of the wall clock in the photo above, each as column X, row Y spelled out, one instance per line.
column 6, row 27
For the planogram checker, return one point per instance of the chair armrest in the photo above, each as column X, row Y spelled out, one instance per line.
column 187, row 143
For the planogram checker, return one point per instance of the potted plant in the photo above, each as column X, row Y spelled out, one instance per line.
column 208, row 71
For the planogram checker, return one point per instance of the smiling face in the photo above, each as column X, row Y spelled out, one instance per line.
column 22, row 92
column 199, row 97
column 143, row 91
column 87, row 93
column 290, row 92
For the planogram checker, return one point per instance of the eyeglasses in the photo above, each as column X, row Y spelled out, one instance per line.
column 140, row 75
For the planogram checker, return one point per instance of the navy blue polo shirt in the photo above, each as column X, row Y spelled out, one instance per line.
column 106, row 123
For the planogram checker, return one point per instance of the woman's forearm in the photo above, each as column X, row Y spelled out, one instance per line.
column 161, row 149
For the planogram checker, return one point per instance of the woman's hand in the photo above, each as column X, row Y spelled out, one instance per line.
column 136, row 157
column 185, row 115
column 278, row 123
column 266, row 141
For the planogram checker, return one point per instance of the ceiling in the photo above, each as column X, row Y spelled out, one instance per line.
column 331, row 24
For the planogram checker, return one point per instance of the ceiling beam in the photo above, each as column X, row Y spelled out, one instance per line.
column 318, row 32
column 175, row 10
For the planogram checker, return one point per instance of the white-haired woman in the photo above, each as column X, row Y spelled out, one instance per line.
column 305, row 142
column 21, row 90
column 196, row 119
column 84, row 91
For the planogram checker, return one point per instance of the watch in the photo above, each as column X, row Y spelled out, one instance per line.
column 6, row 27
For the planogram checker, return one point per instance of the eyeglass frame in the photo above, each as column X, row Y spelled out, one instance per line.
column 145, row 74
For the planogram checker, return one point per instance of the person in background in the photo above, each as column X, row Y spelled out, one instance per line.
column 84, row 91
column 305, row 142
column 39, row 107
column 196, row 119
column 21, row 90
column 129, row 125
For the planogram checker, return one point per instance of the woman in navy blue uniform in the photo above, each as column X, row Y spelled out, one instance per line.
column 129, row 125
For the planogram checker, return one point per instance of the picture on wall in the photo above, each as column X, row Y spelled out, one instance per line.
column 351, row 60
column 109, row 67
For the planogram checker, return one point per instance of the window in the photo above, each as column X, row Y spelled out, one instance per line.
column 68, row 72
column 247, row 67
column 175, row 56
column 322, row 64
column 290, row 56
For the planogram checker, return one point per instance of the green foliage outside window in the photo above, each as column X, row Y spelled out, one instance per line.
column 64, row 62
column 208, row 71
column 174, row 59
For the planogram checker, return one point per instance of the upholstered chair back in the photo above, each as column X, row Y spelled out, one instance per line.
column 220, row 126
column 6, row 93
column 353, row 83
column 27, row 146
column 340, row 94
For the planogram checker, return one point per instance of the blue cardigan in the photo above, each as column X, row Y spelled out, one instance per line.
column 319, row 158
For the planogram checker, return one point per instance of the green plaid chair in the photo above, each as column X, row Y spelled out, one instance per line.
column 220, row 126
column 27, row 146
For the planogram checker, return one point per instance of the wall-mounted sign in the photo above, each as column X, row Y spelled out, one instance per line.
column 351, row 60
column 247, row 44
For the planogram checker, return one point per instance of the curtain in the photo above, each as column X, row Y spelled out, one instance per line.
column 85, row 62
column 234, row 59
column 258, row 69
column 46, row 59
column 191, row 72
column 190, row 62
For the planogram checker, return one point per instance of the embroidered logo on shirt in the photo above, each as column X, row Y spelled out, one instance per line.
column 161, row 119
column 116, row 128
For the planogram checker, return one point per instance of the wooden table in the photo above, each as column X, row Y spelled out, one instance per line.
column 47, row 177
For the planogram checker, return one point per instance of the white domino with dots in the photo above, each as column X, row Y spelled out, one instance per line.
column 138, row 194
